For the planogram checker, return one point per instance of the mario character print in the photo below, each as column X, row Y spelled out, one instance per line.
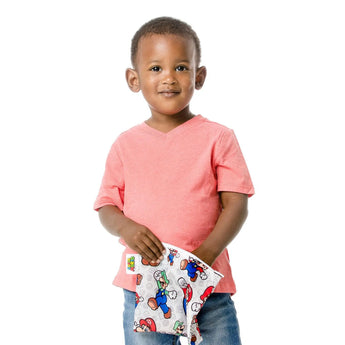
column 193, row 266
column 139, row 279
column 169, row 295
column 193, row 339
column 138, row 299
column 147, row 325
column 173, row 253
column 197, row 306
column 160, row 301
column 187, row 292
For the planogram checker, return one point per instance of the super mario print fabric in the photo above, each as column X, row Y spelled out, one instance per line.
column 169, row 295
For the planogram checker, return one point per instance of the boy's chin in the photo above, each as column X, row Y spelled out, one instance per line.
column 170, row 112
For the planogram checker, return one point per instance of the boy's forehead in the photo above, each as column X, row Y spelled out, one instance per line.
column 157, row 46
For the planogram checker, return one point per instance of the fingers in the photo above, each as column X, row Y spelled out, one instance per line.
column 148, row 254
column 157, row 247
column 148, row 246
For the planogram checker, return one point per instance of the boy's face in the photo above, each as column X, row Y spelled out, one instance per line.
column 166, row 73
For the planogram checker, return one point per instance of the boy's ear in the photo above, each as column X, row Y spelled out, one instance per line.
column 200, row 77
column 132, row 79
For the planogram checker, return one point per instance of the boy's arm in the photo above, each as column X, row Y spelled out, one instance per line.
column 137, row 236
column 227, row 227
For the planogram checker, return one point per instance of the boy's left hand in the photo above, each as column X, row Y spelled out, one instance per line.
column 205, row 255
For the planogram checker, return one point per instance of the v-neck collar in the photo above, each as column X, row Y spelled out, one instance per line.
column 180, row 128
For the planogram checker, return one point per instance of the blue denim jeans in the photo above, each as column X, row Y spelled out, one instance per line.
column 217, row 321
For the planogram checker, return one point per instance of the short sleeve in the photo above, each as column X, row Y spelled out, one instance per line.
column 231, row 169
column 112, row 187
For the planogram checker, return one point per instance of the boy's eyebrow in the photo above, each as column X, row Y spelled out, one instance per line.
column 177, row 61
column 186, row 61
column 154, row 61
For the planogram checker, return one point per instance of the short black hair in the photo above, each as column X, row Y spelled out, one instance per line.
column 162, row 26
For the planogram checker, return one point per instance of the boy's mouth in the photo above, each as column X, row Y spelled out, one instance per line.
column 169, row 92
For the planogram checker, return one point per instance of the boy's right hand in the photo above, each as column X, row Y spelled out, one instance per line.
column 138, row 237
column 143, row 241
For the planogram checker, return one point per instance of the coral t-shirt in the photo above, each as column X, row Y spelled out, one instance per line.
column 169, row 182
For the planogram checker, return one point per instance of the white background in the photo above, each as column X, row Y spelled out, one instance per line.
column 275, row 75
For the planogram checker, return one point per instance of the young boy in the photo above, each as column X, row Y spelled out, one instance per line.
column 176, row 178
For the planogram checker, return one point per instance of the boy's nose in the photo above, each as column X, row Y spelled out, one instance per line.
column 169, row 79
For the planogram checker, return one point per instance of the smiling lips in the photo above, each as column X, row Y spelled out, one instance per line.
column 169, row 92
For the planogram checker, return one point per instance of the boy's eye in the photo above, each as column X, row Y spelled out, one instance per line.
column 181, row 68
column 155, row 69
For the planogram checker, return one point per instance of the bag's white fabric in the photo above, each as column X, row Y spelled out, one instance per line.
column 170, row 295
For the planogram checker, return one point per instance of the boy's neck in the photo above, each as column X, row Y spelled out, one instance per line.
column 166, row 123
